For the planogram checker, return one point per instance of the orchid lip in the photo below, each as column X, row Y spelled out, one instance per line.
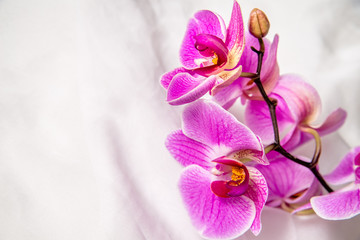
column 211, row 46
column 232, row 178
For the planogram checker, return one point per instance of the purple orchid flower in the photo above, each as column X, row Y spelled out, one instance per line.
column 223, row 195
column 210, row 56
column 243, row 87
column 343, row 203
column 290, row 184
column 298, row 106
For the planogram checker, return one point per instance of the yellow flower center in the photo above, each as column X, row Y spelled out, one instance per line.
column 215, row 59
column 238, row 176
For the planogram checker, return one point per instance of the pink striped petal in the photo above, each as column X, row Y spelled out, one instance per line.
column 187, row 151
column 258, row 192
column 337, row 205
column 294, row 138
column 203, row 22
column 185, row 88
column 207, row 122
column 302, row 99
column 298, row 104
column 248, row 61
column 235, row 38
column 333, row 122
column 167, row 77
column 304, row 207
column 252, row 155
column 228, row 95
column 214, row 217
column 344, row 172
column 270, row 69
column 257, row 118
column 285, row 178
column 315, row 189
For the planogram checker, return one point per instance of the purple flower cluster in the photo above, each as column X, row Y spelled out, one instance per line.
column 228, row 176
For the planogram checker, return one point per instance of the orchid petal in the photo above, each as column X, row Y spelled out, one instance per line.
column 334, row 121
column 187, row 151
column 167, row 77
column 203, row 22
column 294, row 138
column 258, row 192
column 258, row 119
column 185, row 88
column 285, row 178
column 313, row 190
column 213, row 216
column 235, row 38
column 228, row 95
column 251, row 155
column 270, row 69
column 337, row 205
column 344, row 172
column 304, row 207
column 207, row 122
column 302, row 99
column 228, row 78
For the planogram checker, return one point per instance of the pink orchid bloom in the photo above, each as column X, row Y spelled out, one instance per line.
column 243, row 87
column 290, row 184
column 298, row 106
column 345, row 202
column 224, row 196
column 210, row 56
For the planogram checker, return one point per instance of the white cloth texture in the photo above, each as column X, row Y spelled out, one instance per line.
column 83, row 118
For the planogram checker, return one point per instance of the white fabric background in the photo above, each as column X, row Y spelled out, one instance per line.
column 83, row 118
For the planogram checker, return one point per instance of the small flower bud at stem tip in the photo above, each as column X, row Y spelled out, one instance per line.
column 258, row 23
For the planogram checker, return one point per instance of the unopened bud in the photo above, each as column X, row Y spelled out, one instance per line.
column 258, row 24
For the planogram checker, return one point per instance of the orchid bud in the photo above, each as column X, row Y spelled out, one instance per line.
column 258, row 24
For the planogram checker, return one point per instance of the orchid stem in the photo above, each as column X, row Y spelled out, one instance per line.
column 317, row 152
column 276, row 146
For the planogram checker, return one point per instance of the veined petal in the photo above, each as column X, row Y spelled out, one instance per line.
column 334, row 121
column 344, row 172
column 270, row 69
column 187, row 151
column 167, row 77
column 337, row 205
column 302, row 99
column 315, row 189
column 214, row 217
column 253, row 155
column 284, row 179
column 207, row 122
column 225, row 97
column 203, row 22
column 227, row 77
column 185, row 88
column 294, row 138
column 235, row 38
column 304, row 207
column 258, row 192
column 258, row 119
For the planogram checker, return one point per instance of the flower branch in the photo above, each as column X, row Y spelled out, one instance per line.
column 228, row 178
column 276, row 146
